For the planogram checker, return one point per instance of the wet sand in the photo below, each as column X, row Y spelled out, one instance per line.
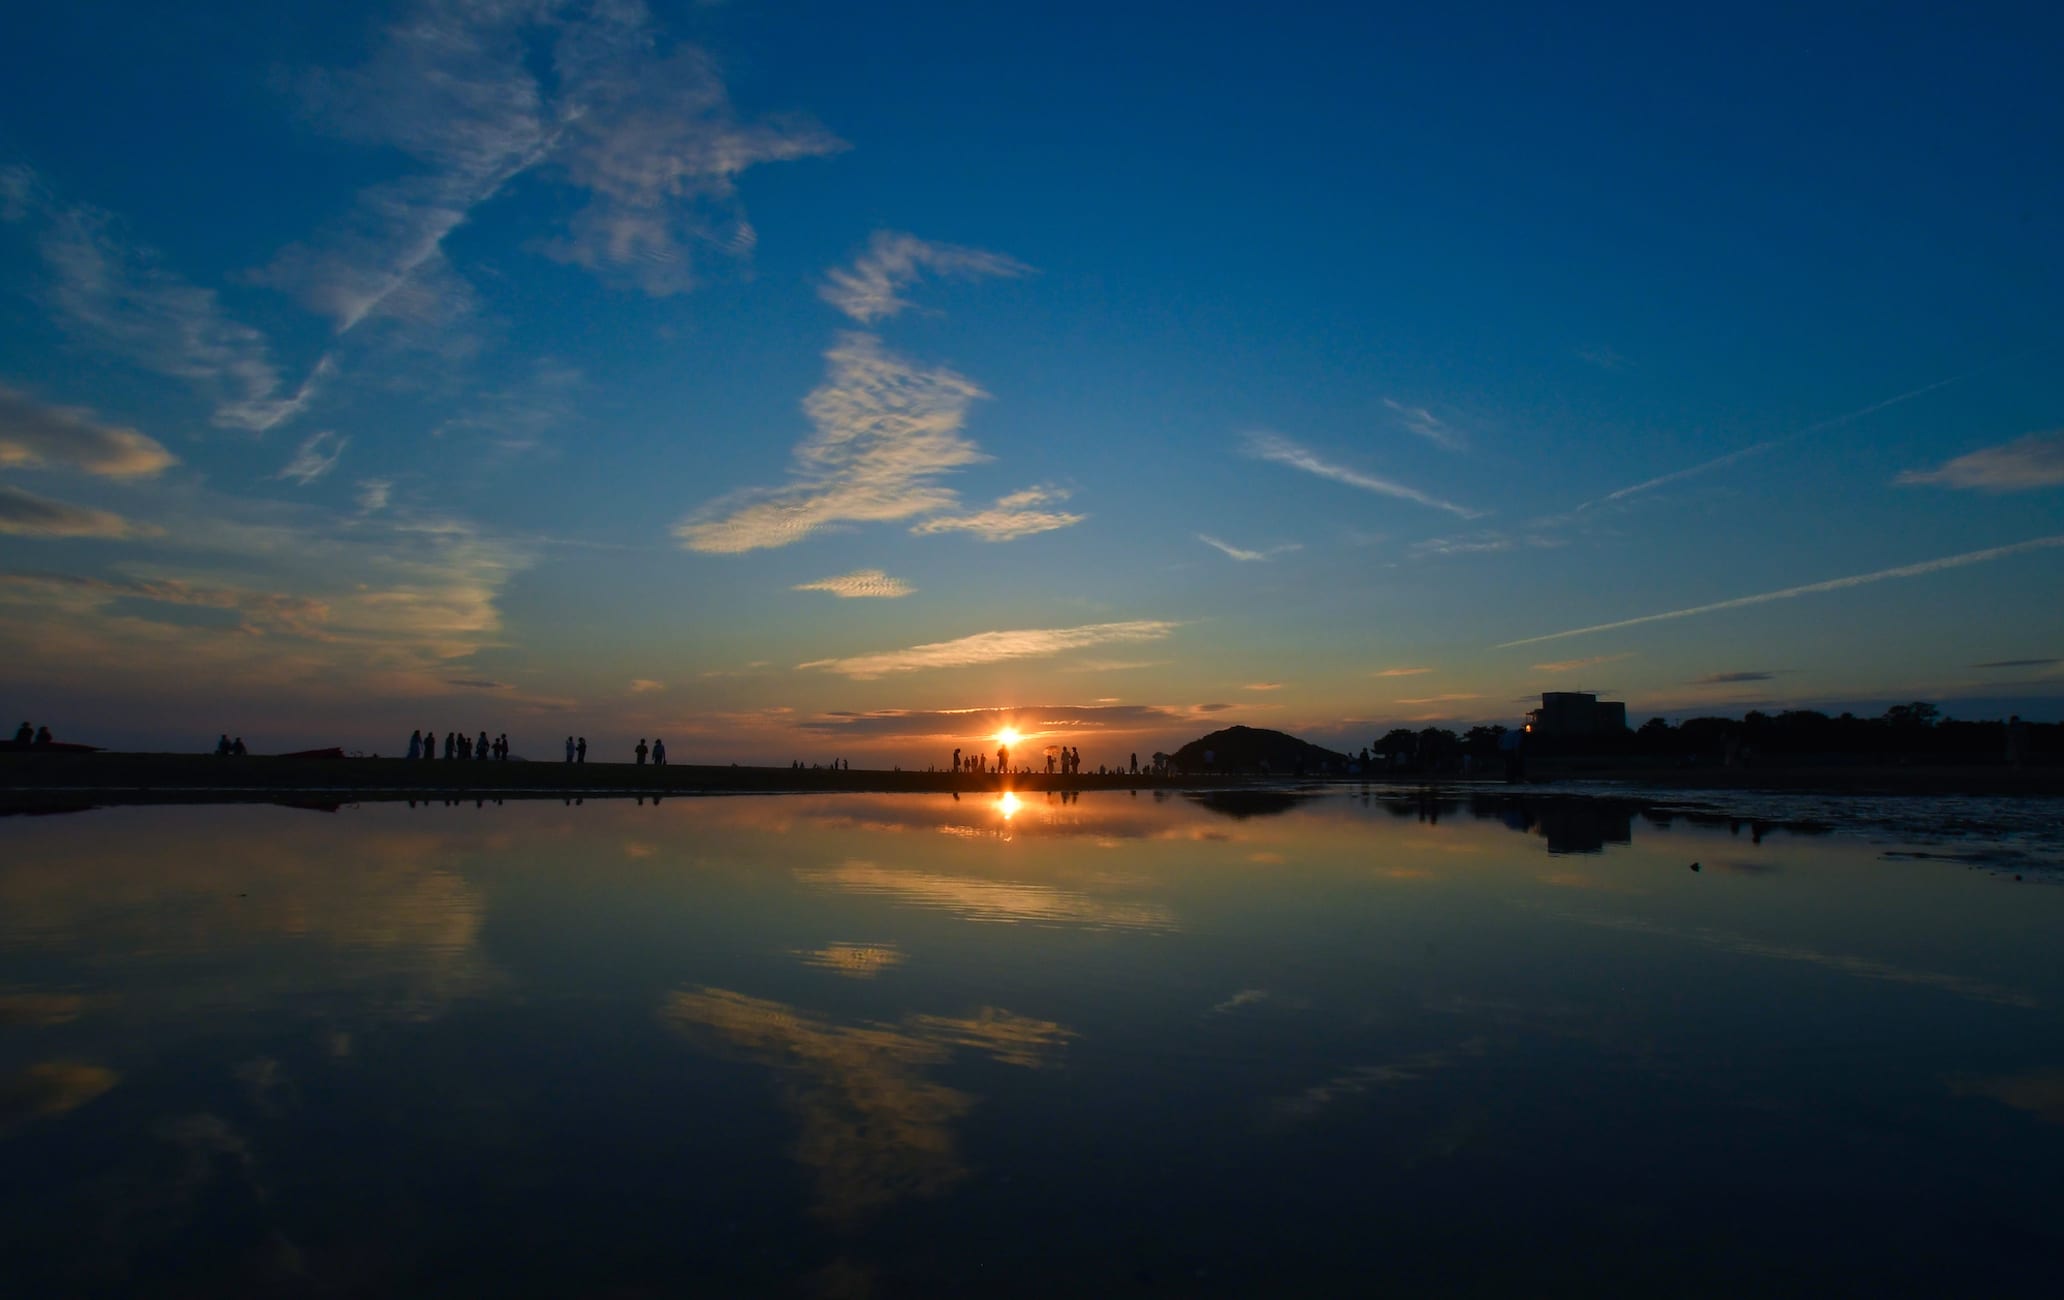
column 32, row 782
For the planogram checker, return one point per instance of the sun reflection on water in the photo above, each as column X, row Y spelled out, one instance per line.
column 1008, row 804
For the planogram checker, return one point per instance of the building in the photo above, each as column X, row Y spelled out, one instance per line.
column 1575, row 713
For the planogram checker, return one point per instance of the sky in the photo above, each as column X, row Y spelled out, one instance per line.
column 799, row 381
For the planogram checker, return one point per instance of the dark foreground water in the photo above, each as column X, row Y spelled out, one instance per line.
column 854, row 1046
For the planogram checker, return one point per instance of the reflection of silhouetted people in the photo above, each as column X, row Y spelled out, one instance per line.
column 658, row 753
column 25, row 733
column 415, row 744
column 580, row 751
column 641, row 751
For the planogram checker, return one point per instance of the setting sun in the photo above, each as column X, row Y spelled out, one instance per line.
column 1008, row 736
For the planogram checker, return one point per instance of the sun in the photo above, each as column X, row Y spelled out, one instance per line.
column 1008, row 736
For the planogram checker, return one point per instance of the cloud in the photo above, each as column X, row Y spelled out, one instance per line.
column 1010, row 518
column 1439, row 699
column 860, row 584
column 1730, row 679
column 33, row 435
column 1811, row 588
column 867, row 291
column 2020, row 663
column 1571, row 665
column 1399, row 672
column 645, row 686
column 23, row 514
column 477, row 683
column 316, row 456
column 1247, row 556
column 374, row 493
column 1028, row 719
column 1487, row 542
column 2035, row 460
column 121, row 297
column 993, row 647
column 1425, row 424
column 1604, row 358
column 885, row 431
column 1271, row 447
column 1262, row 686
column 645, row 134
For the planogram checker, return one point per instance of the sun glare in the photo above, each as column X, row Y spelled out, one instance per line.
column 1008, row 736
column 1008, row 805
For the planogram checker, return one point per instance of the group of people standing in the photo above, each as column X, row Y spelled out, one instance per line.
column 658, row 752
column 27, row 735
column 456, row 746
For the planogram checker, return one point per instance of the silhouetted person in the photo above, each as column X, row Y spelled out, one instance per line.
column 42, row 736
column 25, row 733
column 236, row 746
column 659, row 753
column 505, row 747
column 1002, row 757
column 569, row 749
column 1135, row 763
column 415, row 744
column 580, row 751
column 641, row 751
column 480, row 751
column 429, row 742
column 451, row 745
column 221, row 745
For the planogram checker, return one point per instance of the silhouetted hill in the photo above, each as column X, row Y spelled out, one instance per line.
column 1251, row 749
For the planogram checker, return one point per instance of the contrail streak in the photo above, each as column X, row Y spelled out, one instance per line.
column 1829, row 423
column 1832, row 584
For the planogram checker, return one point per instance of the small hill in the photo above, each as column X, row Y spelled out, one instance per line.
column 1255, row 749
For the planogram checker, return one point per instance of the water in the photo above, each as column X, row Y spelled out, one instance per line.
column 1120, row 1045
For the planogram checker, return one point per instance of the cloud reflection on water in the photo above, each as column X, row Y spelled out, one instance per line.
column 995, row 901
column 874, row 1128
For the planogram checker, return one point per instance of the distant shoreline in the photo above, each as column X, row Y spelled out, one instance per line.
column 32, row 782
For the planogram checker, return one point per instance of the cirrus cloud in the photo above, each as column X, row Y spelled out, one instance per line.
column 993, row 647
column 860, row 584
column 867, row 291
column 2035, row 460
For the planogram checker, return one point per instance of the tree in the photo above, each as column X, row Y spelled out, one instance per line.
column 1916, row 714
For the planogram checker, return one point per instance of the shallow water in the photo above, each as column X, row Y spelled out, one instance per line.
column 891, row 1045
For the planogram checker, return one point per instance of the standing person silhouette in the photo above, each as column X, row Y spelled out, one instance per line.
column 480, row 750
column 415, row 744
column 956, row 753
column 24, row 734
column 429, row 742
column 580, row 751
column 569, row 749
column 451, row 745
column 1002, row 758
column 659, row 753
column 641, row 751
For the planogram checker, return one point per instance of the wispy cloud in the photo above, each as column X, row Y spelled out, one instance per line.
column 316, row 456
column 1677, row 476
column 1013, row 516
column 1439, row 699
column 118, row 295
column 1811, row 588
column 1282, row 451
column 860, row 584
column 645, row 686
column 1246, row 556
column 374, row 494
column 24, row 514
column 33, row 435
column 868, row 290
column 1427, row 425
column 885, row 431
column 994, row 647
column 1487, row 542
column 2020, row 663
column 2035, row 460
column 1572, row 665
column 1735, row 678
column 645, row 134
column 1399, row 672
column 1262, row 686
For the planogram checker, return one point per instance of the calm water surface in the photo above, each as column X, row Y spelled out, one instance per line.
column 875, row 1045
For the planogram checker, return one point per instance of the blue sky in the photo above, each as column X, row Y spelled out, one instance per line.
column 792, row 380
